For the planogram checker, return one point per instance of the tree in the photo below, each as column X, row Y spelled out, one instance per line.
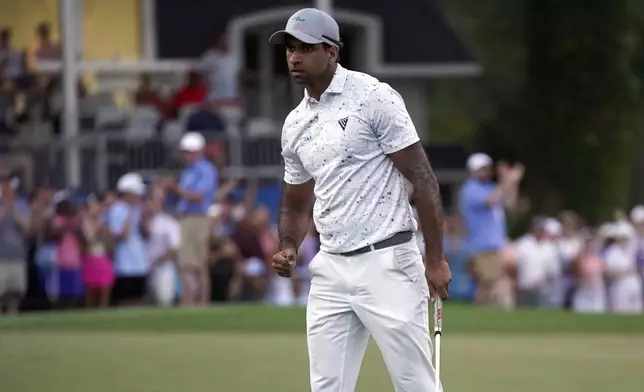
column 582, row 104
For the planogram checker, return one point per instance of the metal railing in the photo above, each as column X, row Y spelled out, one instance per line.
column 105, row 156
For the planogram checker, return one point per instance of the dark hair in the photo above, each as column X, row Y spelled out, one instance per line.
column 65, row 208
column 327, row 46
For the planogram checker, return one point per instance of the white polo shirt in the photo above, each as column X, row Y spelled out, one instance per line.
column 342, row 142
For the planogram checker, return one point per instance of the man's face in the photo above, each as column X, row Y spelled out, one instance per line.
column 155, row 203
column 306, row 62
column 484, row 173
column 190, row 156
column 540, row 233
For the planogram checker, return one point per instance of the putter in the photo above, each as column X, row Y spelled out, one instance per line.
column 438, row 327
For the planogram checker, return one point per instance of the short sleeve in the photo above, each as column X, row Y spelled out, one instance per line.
column 390, row 120
column 117, row 219
column 294, row 171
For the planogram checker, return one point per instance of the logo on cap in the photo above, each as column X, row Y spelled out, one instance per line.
column 299, row 18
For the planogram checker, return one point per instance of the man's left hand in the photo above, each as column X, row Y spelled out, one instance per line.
column 438, row 276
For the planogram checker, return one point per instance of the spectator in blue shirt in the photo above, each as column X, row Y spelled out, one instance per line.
column 131, row 261
column 196, row 191
column 482, row 205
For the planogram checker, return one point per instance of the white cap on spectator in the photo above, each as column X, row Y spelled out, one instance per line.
column 192, row 142
column 131, row 183
column 637, row 214
column 552, row 227
column 478, row 161
column 623, row 230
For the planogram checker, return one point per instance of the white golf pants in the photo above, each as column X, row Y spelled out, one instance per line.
column 382, row 293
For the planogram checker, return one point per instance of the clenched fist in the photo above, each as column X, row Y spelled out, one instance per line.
column 284, row 262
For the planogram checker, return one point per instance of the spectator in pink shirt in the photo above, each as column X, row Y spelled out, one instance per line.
column 65, row 230
column 98, row 273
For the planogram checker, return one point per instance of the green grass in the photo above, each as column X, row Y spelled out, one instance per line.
column 458, row 319
column 244, row 349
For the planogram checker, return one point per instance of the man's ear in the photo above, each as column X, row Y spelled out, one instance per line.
column 334, row 54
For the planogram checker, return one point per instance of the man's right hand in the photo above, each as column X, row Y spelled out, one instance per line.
column 284, row 262
column 439, row 275
column 517, row 172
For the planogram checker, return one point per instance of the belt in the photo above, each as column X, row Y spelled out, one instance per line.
column 396, row 239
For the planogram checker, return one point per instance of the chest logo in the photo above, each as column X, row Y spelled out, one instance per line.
column 343, row 122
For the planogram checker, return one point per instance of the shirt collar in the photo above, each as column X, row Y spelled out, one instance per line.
column 337, row 83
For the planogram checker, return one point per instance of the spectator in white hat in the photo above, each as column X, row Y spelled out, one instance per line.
column 196, row 190
column 625, row 283
column 131, row 262
column 482, row 204
column 637, row 219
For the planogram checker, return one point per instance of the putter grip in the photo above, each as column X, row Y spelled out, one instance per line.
column 438, row 316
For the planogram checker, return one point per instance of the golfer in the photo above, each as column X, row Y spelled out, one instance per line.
column 351, row 143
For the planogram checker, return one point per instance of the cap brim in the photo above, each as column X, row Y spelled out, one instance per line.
column 279, row 37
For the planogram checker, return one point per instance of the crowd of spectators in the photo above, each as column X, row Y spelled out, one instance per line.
column 188, row 241
column 559, row 263
column 200, row 239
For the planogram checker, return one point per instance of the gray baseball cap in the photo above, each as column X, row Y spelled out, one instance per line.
column 311, row 26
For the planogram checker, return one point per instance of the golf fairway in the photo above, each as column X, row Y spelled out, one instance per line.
column 210, row 350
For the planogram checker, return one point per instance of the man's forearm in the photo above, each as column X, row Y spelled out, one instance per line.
column 293, row 226
column 294, row 214
column 502, row 192
column 430, row 213
column 412, row 162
